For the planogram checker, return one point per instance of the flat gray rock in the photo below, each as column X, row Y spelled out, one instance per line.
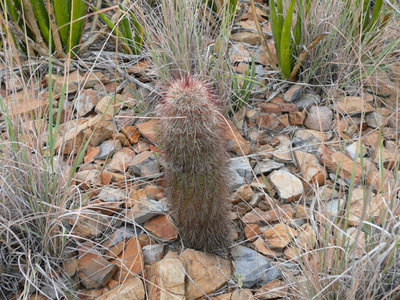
column 240, row 171
column 252, row 268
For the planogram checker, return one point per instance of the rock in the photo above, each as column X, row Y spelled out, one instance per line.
column 244, row 193
column 120, row 160
column 76, row 80
column 269, row 121
column 319, row 118
column 144, row 210
column 251, row 38
column 352, row 105
column 296, row 118
column 251, row 232
column 359, row 199
column 333, row 208
column 389, row 158
column 236, row 142
column 131, row 133
column 353, row 150
column 148, row 130
column 288, row 186
column 353, row 242
column 251, row 268
column 130, row 261
column 241, row 172
column 242, row 294
column 94, row 270
column 107, row 148
column 152, row 253
column 85, row 102
column 109, row 106
column 279, row 236
column 162, row 227
column 283, row 152
column 167, row 279
column 261, row 246
column 100, row 132
column 141, row 146
column 144, row 164
column 266, row 166
column 307, row 100
column 70, row 266
column 116, row 242
column 200, row 268
column 293, row 93
column 109, row 194
column 88, row 177
column 377, row 119
column 130, row 289
column 272, row 290
column 311, row 170
column 334, row 159
column 91, row 154
column 239, row 53
column 308, row 140
column 88, row 224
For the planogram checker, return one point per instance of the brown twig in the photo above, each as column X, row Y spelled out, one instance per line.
column 303, row 55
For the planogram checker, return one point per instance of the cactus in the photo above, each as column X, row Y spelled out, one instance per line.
column 195, row 162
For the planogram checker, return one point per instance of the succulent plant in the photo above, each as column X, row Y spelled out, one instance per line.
column 195, row 159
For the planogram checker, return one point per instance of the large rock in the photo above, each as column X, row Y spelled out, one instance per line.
column 167, row 279
column 289, row 187
column 207, row 272
column 130, row 289
column 252, row 268
column 319, row 118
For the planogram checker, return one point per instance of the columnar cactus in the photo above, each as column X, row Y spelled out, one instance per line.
column 195, row 161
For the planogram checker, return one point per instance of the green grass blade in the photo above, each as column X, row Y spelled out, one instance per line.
column 138, row 34
column 276, row 28
column 286, row 59
column 78, row 10
column 375, row 14
column 62, row 12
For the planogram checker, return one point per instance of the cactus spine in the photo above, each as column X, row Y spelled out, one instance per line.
column 195, row 158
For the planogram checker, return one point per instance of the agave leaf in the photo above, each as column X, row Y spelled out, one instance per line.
column 138, row 34
column 42, row 19
column 286, row 58
column 78, row 10
column 126, row 31
column 62, row 11
column 276, row 28
column 375, row 13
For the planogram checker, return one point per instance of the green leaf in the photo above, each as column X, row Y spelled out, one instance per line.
column 62, row 12
column 276, row 28
column 285, row 53
column 375, row 13
column 78, row 10
column 42, row 18
column 138, row 34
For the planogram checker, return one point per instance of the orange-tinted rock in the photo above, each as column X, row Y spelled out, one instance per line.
column 132, row 133
column 130, row 289
column 148, row 130
column 261, row 246
column 311, row 169
column 272, row 290
column 278, row 237
column 120, row 160
column 269, row 121
column 130, row 261
column 162, row 227
column 251, row 231
column 236, row 142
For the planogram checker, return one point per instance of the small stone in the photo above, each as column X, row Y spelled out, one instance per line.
column 307, row 100
column 244, row 193
column 144, row 210
column 109, row 194
column 283, row 153
column 333, row 208
column 200, row 268
column 352, row 105
column 272, row 290
column 144, row 164
column 148, row 130
column 120, row 160
column 91, row 154
column 251, row 38
column 358, row 201
column 266, row 166
column 116, row 242
column 70, row 266
column 130, row 289
column 308, row 140
column 130, row 261
column 239, row 53
column 242, row 294
column 132, row 134
column 319, row 118
column 152, row 253
column 289, row 187
column 88, row 177
column 307, row 238
column 279, row 236
column 296, row 118
column 293, row 93
column 252, row 268
column 236, row 142
column 162, row 227
column 269, row 121
column 94, row 270
column 85, row 102
column 251, row 232
column 153, row 191
column 334, row 159
column 241, row 172
column 141, row 146
column 261, row 246
column 354, row 241
column 167, row 279
column 312, row 171
column 107, row 148
column 88, row 224
column 109, row 105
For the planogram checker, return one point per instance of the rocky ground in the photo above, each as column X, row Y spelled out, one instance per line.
column 295, row 164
